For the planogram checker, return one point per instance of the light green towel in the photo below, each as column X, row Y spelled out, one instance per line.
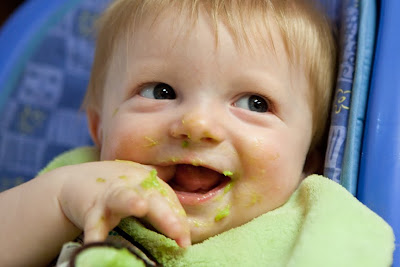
column 321, row 225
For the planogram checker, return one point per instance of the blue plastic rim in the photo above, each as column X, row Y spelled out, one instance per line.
column 379, row 182
column 20, row 35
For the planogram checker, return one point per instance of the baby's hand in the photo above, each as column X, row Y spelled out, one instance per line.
column 97, row 195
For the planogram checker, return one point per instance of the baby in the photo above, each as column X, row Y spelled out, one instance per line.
column 206, row 114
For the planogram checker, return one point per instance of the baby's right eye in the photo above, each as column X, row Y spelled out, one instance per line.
column 158, row 91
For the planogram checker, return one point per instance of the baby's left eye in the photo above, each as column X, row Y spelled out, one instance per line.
column 254, row 103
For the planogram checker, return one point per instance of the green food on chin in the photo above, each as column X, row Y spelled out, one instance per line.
column 107, row 257
column 228, row 187
column 223, row 213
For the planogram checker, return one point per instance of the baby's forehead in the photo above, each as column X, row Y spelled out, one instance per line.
column 248, row 22
column 258, row 35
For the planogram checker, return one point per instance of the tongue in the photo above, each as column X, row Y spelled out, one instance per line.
column 189, row 178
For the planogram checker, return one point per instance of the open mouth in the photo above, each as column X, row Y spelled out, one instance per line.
column 194, row 185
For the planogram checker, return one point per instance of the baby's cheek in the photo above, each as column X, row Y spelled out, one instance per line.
column 259, row 169
column 260, row 159
column 249, row 193
column 128, row 146
column 265, row 175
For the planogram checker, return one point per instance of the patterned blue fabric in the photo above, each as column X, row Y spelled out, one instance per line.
column 342, row 97
column 362, row 75
column 41, row 116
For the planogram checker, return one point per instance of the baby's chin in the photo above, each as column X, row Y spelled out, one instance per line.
column 201, row 231
column 198, row 236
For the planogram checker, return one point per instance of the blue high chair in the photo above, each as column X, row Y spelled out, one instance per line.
column 46, row 52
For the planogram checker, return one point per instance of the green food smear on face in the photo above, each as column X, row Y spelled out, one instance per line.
column 151, row 141
column 255, row 199
column 123, row 177
column 227, row 173
column 196, row 162
column 223, row 213
column 185, row 143
column 107, row 257
column 174, row 159
column 115, row 112
column 100, row 180
column 152, row 182
column 228, row 187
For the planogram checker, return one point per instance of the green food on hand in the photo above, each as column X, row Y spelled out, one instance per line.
column 152, row 182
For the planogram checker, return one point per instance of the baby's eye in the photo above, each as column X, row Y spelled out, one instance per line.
column 158, row 91
column 254, row 103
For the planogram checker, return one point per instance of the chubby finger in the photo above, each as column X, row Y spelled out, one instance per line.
column 97, row 225
column 162, row 211
column 169, row 222
column 126, row 202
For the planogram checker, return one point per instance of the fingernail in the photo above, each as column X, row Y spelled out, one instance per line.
column 184, row 242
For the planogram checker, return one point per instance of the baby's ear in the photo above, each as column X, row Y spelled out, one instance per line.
column 314, row 163
column 95, row 129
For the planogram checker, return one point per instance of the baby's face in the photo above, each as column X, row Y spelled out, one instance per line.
column 229, row 129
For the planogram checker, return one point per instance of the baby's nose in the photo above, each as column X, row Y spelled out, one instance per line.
column 198, row 127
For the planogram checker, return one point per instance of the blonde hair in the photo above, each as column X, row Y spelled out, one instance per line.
column 306, row 34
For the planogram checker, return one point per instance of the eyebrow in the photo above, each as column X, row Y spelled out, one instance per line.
column 145, row 71
column 257, row 77
column 265, row 84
